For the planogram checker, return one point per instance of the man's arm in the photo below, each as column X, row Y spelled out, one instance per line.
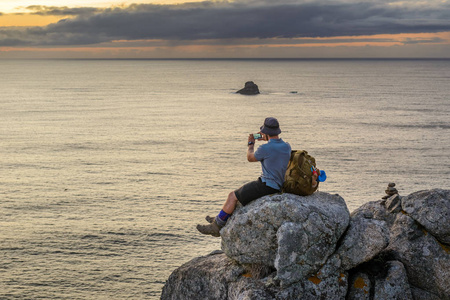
column 251, row 153
column 251, row 149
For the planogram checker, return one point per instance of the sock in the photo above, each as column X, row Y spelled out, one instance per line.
column 222, row 218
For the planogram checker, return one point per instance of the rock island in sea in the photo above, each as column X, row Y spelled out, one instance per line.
column 285, row 246
column 250, row 88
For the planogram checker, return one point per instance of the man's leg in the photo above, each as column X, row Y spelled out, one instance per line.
column 228, row 208
column 221, row 219
column 230, row 203
column 245, row 194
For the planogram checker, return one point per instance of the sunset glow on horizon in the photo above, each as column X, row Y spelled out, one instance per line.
column 223, row 29
column 21, row 5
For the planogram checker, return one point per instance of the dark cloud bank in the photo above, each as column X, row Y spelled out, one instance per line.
column 228, row 20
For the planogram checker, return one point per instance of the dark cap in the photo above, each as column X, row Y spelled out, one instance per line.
column 271, row 127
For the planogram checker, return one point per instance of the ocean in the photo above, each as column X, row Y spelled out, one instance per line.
column 108, row 165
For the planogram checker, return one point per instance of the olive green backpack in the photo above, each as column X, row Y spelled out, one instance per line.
column 298, row 178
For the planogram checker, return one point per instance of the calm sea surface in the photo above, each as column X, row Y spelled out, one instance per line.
column 107, row 166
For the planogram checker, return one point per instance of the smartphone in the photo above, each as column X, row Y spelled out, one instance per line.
column 257, row 136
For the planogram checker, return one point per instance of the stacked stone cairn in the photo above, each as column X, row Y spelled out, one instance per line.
column 286, row 247
column 390, row 191
column 392, row 200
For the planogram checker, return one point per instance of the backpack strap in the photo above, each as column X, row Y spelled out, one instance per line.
column 297, row 157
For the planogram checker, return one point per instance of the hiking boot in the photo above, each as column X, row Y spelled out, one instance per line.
column 209, row 219
column 211, row 229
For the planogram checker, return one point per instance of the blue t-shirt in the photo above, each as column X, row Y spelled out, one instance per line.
column 274, row 157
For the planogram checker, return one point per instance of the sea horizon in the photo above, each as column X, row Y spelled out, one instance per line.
column 246, row 59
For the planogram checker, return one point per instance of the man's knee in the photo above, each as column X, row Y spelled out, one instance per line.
column 230, row 203
column 232, row 197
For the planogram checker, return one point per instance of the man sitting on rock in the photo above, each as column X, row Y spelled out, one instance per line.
column 274, row 157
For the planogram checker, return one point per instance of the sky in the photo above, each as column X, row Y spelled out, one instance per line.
column 225, row 29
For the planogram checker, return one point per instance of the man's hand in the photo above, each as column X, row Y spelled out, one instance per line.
column 265, row 137
column 251, row 138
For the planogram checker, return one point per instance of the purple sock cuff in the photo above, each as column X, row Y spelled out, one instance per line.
column 223, row 216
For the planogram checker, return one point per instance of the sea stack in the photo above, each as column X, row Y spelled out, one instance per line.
column 250, row 88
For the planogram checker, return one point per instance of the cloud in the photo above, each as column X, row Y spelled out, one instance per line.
column 410, row 41
column 219, row 20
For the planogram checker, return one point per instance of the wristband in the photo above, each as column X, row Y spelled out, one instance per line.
column 251, row 143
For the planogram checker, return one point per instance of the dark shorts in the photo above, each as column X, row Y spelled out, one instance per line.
column 253, row 190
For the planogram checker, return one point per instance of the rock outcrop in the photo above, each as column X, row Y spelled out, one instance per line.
column 250, row 88
column 295, row 237
column 292, row 247
column 432, row 211
column 426, row 260
column 366, row 237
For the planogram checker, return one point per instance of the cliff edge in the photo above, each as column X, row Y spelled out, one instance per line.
column 285, row 246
